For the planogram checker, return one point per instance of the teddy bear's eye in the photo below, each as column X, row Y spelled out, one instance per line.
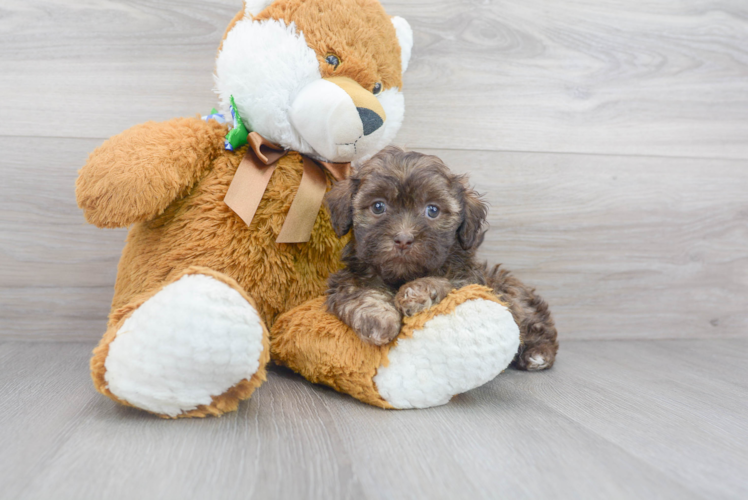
column 432, row 211
column 378, row 208
column 377, row 89
column 332, row 60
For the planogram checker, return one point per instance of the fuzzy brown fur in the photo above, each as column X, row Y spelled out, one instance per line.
column 359, row 32
column 416, row 228
column 169, row 180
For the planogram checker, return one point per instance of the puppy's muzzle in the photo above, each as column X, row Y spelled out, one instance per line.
column 404, row 241
column 340, row 119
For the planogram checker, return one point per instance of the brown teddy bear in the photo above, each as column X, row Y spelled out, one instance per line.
column 227, row 229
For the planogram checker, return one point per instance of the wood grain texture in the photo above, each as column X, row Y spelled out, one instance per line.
column 649, row 419
column 590, row 76
column 621, row 247
column 44, row 239
column 639, row 77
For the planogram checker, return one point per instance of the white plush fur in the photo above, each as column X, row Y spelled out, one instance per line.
column 194, row 339
column 266, row 66
column 450, row 355
column 327, row 118
column 405, row 38
column 254, row 7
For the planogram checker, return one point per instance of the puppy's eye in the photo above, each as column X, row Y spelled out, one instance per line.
column 432, row 211
column 378, row 208
column 332, row 60
column 377, row 89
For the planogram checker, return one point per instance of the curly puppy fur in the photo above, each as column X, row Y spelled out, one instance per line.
column 416, row 229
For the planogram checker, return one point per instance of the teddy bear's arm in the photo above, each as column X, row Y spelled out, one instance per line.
column 134, row 176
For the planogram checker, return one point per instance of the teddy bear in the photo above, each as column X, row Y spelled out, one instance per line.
column 227, row 226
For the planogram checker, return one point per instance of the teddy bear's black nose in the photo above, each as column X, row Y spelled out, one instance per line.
column 372, row 121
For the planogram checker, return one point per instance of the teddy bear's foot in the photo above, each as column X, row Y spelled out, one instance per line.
column 461, row 343
column 448, row 354
column 197, row 347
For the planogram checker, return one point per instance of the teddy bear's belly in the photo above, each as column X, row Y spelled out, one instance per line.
column 200, row 230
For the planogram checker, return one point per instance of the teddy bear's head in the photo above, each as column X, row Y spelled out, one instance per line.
column 321, row 77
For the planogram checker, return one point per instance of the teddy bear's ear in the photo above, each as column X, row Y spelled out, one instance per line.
column 405, row 37
column 254, row 7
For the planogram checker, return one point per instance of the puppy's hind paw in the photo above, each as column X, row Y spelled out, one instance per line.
column 537, row 362
column 535, row 358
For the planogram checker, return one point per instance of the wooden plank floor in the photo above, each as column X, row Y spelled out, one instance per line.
column 613, row 419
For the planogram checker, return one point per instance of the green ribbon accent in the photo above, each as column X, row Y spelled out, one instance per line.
column 237, row 137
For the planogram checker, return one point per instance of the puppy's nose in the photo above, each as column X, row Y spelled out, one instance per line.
column 404, row 241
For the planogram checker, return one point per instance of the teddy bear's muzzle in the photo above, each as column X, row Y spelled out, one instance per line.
column 340, row 119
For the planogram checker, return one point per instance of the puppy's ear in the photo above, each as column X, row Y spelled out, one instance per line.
column 339, row 202
column 475, row 211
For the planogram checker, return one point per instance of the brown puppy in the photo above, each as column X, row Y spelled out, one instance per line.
column 416, row 228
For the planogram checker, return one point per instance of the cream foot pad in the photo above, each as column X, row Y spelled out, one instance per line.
column 187, row 349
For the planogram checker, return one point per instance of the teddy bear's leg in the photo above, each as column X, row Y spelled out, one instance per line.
column 459, row 344
column 194, row 347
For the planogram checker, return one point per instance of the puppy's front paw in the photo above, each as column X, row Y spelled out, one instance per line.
column 421, row 294
column 379, row 329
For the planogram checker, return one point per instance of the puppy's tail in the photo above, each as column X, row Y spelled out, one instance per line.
column 503, row 283
column 531, row 313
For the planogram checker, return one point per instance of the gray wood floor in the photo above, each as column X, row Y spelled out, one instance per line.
column 613, row 419
column 611, row 139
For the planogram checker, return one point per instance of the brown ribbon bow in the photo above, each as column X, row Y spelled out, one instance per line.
column 252, row 178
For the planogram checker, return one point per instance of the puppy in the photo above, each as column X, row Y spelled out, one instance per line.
column 416, row 229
